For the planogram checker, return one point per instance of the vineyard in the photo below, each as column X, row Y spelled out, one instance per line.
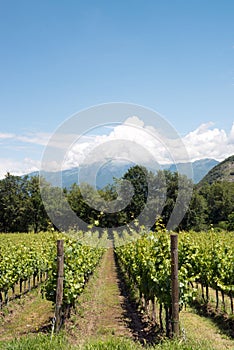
column 26, row 257
column 205, row 259
column 206, row 269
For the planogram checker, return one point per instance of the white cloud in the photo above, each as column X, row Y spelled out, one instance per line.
column 34, row 138
column 131, row 141
column 38, row 138
column 4, row 136
column 18, row 167
column 134, row 120
column 204, row 142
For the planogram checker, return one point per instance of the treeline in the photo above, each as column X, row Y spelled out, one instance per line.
column 138, row 191
column 21, row 206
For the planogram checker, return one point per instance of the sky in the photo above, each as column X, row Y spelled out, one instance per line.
column 59, row 57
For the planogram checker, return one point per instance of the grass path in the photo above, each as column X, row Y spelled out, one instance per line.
column 202, row 328
column 99, row 312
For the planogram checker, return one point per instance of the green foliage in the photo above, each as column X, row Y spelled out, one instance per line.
column 145, row 193
column 196, row 215
column 39, row 342
column 219, row 197
column 220, row 201
column 204, row 257
column 43, row 342
column 112, row 344
column 21, row 207
column 231, row 221
column 24, row 255
column 211, row 257
column 148, row 265
column 79, row 263
column 13, row 192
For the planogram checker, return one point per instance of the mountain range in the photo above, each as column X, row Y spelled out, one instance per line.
column 106, row 173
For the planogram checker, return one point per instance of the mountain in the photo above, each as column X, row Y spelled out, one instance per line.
column 200, row 168
column 102, row 175
column 224, row 171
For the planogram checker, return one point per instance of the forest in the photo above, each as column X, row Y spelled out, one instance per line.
column 22, row 208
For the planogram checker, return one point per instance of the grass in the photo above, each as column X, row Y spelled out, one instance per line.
column 37, row 342
column 25, row 315
column 43, row 342
column 99, row 312
column 199, row 328
column 127, row 344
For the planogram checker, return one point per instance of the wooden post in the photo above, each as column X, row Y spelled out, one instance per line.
column 34, row 280
column 174, row 285
column 24, row 286
column 13, row 292
column 59, row 289
column 6, row 299
column 21, row 284
column 1, row 300
column 231, row 301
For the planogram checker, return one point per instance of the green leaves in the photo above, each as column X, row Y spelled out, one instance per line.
column 205, row 257
column 79, row 263
column 24, row 255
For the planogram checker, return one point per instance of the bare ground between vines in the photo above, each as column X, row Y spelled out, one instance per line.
column 104, row 309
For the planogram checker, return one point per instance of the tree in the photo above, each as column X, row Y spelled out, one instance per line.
column 178, row 193
column 231, row 221
column 220, row 201
column 13, row 203
column 37, row 217
column 133, row 190
column 196, row 215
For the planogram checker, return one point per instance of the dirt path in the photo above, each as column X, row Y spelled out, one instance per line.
column 104, row 309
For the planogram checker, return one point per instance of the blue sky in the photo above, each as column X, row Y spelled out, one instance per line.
column 58, row 57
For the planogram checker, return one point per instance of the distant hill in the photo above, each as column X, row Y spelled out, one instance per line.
column 200, row 168
column 224, row 171
column 105, row 174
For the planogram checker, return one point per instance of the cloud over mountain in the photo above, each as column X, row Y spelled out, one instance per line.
column 203, row 142
column 130, row 141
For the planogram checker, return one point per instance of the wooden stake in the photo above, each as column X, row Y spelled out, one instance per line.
column 174, row 285
column 59, row 289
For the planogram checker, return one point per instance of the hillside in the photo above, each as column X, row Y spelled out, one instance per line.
column 223, row 171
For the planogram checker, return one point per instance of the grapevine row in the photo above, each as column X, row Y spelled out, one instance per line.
column 206, row 258
column 25, row 255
